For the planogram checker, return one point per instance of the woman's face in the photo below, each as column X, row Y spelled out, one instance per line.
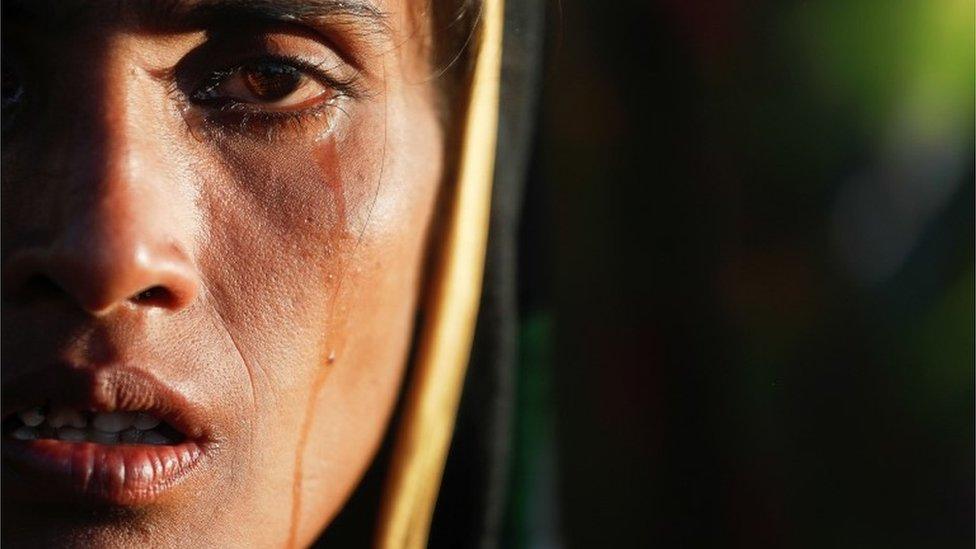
column 214, row 214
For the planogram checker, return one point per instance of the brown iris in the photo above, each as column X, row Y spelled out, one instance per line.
column 271, row 81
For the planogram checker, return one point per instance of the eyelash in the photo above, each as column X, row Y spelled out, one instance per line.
column 251, row 119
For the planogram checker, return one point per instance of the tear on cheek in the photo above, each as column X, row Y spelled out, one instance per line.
column 326, row 157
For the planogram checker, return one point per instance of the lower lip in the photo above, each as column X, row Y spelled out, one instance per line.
column 118, row 474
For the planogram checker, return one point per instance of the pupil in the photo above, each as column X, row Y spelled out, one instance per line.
column 271, row 82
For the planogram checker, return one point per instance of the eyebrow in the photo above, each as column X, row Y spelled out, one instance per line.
column 203, row 13
column 289, row 11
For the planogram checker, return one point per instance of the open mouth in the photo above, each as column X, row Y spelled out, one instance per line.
column 116, row 437
column 66, row 424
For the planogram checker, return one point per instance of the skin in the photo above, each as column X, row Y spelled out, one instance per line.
column 284, row 258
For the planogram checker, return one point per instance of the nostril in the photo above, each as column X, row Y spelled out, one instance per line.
column 98, row 278
column 155, row 296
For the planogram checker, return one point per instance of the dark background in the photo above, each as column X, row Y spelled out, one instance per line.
column 747, row 275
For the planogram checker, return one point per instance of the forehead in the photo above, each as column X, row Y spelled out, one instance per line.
column 369, row 28
column 386, row 18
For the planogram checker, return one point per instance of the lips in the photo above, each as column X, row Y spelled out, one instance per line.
column 112, row 435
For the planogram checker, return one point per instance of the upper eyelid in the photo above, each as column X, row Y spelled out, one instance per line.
column 349, row 39
column 275, row 30
column 301, row 49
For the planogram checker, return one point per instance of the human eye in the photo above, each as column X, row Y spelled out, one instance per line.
column 269, row 84
column 268, row 93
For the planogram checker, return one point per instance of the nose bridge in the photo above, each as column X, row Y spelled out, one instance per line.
column 132, row 179
column 123, row 236
column 128, row 119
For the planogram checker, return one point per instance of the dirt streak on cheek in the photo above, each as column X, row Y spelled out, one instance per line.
column 326, row 158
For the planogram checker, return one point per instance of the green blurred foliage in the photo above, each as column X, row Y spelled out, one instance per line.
column 889, row 56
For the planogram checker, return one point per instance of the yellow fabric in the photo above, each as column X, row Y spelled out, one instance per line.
column 422, row 443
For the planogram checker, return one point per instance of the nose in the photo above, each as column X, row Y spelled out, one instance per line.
column 122, row 221
column 108, row 260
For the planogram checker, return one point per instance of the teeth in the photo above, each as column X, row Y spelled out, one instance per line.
column 101, row 437
column 32, row 417
column 113, row 422
column 61, row 416
column 130, row 436
column 72, row 425
column 70, row 434
column 24, row 433
column 152, row 437
column 146, row 421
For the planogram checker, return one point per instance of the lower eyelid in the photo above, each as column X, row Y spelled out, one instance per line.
column 266, row 124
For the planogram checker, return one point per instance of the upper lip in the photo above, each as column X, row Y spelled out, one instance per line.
column 107, row 389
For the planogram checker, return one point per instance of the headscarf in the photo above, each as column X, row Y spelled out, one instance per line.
column 467, row 339
column 468, row 343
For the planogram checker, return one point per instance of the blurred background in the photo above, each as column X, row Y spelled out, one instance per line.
column 748, row 277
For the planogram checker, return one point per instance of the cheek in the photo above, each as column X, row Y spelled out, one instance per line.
column 277, row 251
column 312, row 260
column 378, row 306
column 274, row 254
column 300, row 233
